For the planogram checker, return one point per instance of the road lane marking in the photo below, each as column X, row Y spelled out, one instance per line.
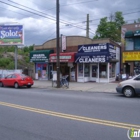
column 73, row 117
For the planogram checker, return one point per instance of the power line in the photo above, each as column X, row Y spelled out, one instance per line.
column 107, row 17
column 78, row 3
column 61, row 5
column 64, row 22
column 14, row 11
column 72, row 24
column 30, row 8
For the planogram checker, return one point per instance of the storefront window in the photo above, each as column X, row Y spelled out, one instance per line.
column 86, row 70
column 73, row 73
column 137, row 43
column 41, row 70
column 129, row 44
column 80, row 69
column 112, row 70
column 136, row 68
column 102, row 70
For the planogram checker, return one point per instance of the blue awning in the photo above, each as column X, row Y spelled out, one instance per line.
column 91, row 58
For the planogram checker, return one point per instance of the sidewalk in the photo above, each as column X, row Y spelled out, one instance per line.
column 88, row 86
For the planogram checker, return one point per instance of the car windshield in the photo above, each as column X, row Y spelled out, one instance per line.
column 23, row 75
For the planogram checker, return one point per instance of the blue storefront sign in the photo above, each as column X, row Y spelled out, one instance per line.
column 111, row 51
column 91, row 58
column 95, row 48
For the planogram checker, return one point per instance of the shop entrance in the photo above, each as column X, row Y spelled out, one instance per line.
column 93, row 72
column 127, row 68
column 65, row 70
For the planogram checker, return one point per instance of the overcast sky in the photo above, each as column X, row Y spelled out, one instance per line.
column 39, row 16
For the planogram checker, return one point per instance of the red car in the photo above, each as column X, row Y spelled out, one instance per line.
column 16, row 80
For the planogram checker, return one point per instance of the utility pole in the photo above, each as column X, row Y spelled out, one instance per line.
column 16, row 57
column 57, row 44
column 87, row 29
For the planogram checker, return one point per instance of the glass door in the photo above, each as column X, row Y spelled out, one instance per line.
column 50, row 71
column 93, row 72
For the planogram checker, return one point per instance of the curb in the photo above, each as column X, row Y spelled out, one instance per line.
column 49, row 87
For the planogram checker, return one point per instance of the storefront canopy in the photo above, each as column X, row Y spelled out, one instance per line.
column 40, row 55
column 91, row 58
column 137, row 33
column 129, row 34
column 64, row 57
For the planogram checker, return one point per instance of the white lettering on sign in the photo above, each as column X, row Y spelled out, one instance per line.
column 93, row 48
column 88, row 60
column 112, row 50
column 61, row 57
column 39, row 57
column 10, row 33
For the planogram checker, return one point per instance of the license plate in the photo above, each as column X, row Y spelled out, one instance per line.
column 29, row 83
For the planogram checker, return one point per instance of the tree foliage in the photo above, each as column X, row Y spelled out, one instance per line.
column 137, row 21
column 7, row 61
column 110, row 28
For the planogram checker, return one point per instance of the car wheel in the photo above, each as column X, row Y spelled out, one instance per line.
column 128, row 92
column 29, row 86
column 1, row 84
column 16, row 85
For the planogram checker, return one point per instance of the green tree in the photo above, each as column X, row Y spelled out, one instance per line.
column 31, row 48
column 11, row 65
column 137, row 21
column 110, row 29
column 7, row 60
column 11, row 49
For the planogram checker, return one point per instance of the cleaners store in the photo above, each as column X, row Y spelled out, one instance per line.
column 96, row 62
column 42, row 66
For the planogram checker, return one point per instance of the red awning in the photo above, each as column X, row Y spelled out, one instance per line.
column 64, row 57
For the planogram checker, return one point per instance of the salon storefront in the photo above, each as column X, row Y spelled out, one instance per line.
column 42, row 66
column 96, row 62
column 67, row 65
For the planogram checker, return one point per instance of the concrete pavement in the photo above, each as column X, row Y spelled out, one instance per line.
column 88, row 86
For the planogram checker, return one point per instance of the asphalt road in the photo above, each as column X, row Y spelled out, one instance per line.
column 42, row 114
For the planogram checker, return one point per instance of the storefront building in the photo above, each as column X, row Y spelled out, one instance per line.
column 96, row 62
column 67, row 65
column 42, row 65
column 131, row 49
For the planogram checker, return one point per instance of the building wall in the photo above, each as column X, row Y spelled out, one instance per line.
column 72, row 43
column 128, row 27
column 124, row 29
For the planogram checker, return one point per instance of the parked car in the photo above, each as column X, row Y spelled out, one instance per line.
column 130, row 87
column 16, row 80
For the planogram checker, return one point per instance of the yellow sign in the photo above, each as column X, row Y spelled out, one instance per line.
column 131, row 56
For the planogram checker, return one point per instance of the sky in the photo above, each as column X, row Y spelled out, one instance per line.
column 39, row 16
